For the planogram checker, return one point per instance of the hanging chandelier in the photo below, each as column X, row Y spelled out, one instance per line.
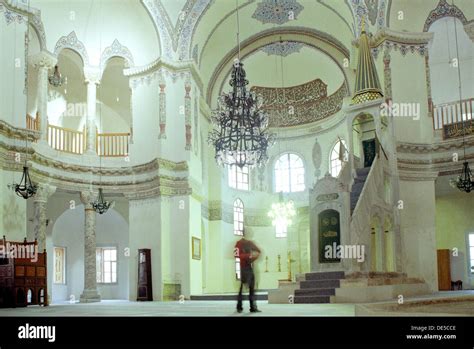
column 56, row 78
column 282, row 213
column 465, row 180
column 25, row 189
column 240, row 126
column 100, row 205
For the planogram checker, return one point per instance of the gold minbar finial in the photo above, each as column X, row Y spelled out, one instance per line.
column 362, row 24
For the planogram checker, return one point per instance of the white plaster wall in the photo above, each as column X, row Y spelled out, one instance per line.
column 97, row 24
column 418, row 231
column 145, row 232
column 12, row 72
column 444, row 74
column 12, row 208
column 195, row 270
column 145, row 123
column 409, row 86
column 68, row 232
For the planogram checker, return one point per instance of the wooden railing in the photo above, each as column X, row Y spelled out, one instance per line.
column 113, row 144
column 32, row 123
column 67, row 140
column 452, row 113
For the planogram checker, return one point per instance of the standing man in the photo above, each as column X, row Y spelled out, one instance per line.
column 247, row 252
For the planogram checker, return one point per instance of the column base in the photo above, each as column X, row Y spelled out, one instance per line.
column 90, row 296
column 90, row 152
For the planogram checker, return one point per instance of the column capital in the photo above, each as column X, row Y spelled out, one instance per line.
column 87, row 197
column 92, row 75
column 43, row 192
column 43, row 59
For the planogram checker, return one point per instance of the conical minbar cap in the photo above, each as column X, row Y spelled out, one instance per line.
column 367, row 86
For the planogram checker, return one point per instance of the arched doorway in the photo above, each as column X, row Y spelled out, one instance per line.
column 363, row 140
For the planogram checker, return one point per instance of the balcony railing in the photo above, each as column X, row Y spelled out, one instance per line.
column 67, row 140
column 452, row 113
column 113, row 144
column 32, row 123
column 74, row 142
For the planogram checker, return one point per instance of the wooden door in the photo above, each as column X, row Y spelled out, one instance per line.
column 444, row 270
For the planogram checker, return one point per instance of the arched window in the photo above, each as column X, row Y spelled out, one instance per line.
column 238, row 217
column 289, row 173
column 339, row 155
column 239, row 177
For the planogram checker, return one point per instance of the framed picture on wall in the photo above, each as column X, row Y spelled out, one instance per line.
column 196, row 244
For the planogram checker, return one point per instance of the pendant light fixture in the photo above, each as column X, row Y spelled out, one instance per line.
column 465, row 180
column 25, row 189
column 100, row 205
column 56, row 79
column 240, row 134
column 282, row 212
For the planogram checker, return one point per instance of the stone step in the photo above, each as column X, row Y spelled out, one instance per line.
column 319, row 284
column 300, row 277
column 357, row 188
column 325, row 275
column 315, row 292
column 311, row 299
column 363, row 171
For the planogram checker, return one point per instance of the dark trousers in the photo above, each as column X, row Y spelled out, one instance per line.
column 247, row 277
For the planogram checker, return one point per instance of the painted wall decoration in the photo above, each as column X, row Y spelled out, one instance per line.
column 372, row 10
column 162, row 106
column 421, row 49
column 187, row 114
column 195, row 54
column 444, row 10
column 282, row 48
column 116, row 50
column 72, row 42
column 176, row 38
column 196, row 126
column 300, row 104
column 317, row 157
column 277, row 11
column 10, row 16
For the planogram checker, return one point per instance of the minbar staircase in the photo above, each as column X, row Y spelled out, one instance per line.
column 318, row 287
column 358, row 185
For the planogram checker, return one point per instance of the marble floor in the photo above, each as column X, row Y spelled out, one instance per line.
column 188, row 308
column 454, row 303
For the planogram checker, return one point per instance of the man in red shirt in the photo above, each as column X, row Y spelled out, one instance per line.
column 247, row 252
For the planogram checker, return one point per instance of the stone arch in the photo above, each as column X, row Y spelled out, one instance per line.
column 116, row 50
column 318, row 40
column 363, row 125
column 73, row 43
column 443, row 9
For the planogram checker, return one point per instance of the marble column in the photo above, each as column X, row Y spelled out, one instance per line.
column 43, row 61
column 90, row 293
column 40, row 201
column 92, row 81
